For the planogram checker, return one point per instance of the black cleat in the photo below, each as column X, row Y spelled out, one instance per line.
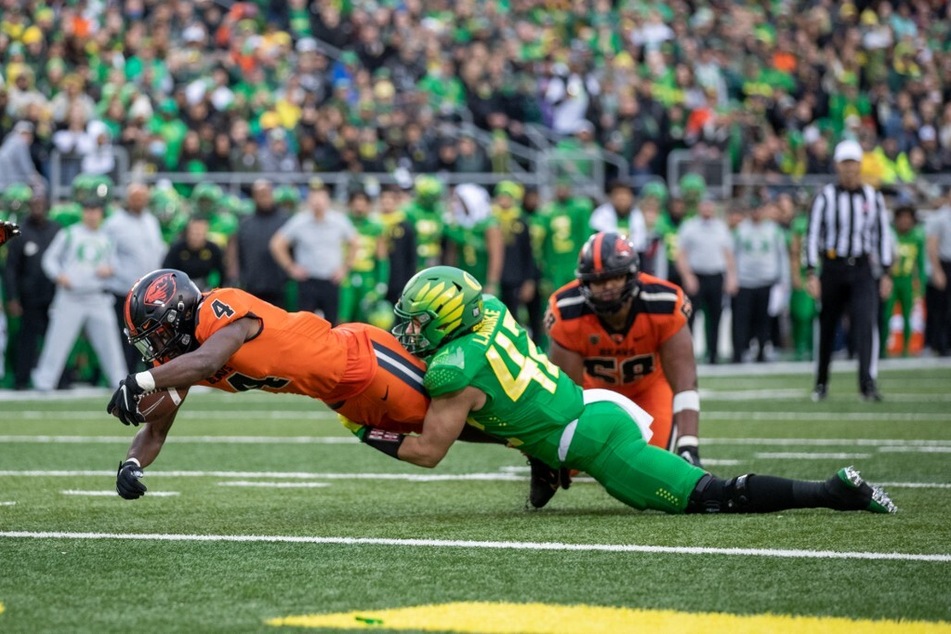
column 819, row 393
column 545, row 482
column 853, row 493
column 871, row 395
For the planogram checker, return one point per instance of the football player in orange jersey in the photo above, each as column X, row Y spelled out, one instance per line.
column 230, row 340
column 623, row 330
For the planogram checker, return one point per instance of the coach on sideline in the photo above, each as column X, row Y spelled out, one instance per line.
column 848, row 237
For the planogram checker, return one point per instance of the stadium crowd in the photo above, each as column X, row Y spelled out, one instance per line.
column 291, row 86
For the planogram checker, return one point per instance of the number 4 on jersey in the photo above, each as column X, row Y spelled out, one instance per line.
column 221, row 309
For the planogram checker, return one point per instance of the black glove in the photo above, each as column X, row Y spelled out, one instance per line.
column 124, row 403
column 128, row 484
column 8, row 231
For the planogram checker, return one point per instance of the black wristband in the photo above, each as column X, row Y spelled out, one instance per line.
column 386, row 441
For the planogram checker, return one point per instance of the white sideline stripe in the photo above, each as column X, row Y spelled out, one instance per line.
column 915, row 449
column 113, row 493
column 913, row 485
column 826, row 416
column 790, row 393
column 509, row 476
column 7, row 503
column 444, row 543
column 794, row 455
column 255, row 440
column 883, row 444
column 185, row 414
column 829, row 442
column 275, row 485
column 288, row 475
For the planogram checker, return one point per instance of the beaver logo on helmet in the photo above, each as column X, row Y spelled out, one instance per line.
column 160, row 291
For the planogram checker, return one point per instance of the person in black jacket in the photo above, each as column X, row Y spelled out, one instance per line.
column 518, row 284
column 29, row 291
column 196, row 255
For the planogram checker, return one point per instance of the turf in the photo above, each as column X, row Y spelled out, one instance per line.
column 762, row 423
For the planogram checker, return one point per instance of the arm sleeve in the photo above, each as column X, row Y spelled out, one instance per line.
column 12, row 270
column 557, row 329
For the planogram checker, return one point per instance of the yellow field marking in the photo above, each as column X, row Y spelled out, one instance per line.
column 539, row 618
column 1, row 608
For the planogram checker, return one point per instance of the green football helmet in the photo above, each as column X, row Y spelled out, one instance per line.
column 693, row 186
column 428, row 190
column 378, row 312
column 287, row 196
column 654, row 189
column 206, row 197
column 440, row 304
column 16, row 198
column 92, row 190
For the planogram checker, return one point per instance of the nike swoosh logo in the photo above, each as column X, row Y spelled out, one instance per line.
column 386, row 394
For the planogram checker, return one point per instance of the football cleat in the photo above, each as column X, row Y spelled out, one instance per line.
column 819, row 393
column 545, row 482
column 849, row 488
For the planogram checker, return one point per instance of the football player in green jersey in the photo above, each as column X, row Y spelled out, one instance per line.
column 484, row 371
column 908, row 275
column 802, row 306
column 426, row 212
column 366, row 282
column 563, row 225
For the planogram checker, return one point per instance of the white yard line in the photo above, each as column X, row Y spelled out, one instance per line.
column 275, row 485
column 8, row 503
column 488, row 545
column 506, row 474
column 184, row 414
column 867, row 417
column 883, row 444
column 795, row 455
column 112, row 493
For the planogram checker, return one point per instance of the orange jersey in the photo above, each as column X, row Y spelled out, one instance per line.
column 296, row 353
column 626, row 361
column 360, row 371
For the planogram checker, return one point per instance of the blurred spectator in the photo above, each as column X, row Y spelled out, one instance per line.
column 80, row 260
column 316, row 248
column 762, row 262
column 939, row 255
column 29, row 292
column 200, row 258
column 139, row 249
column 620, row 215
column 708, row 270
column 16, row 165
column 259, row 273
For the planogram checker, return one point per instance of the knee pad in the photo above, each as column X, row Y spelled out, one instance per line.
column 715, row 495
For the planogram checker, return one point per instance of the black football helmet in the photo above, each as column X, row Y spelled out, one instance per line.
column 604, row 256
column 160, row 313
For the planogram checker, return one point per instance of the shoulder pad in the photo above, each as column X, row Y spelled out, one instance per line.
column 447, row 371
column 571, row 303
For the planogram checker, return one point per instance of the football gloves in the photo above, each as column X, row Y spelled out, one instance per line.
column 128, row 483
column 8, row 231
column 124, row 403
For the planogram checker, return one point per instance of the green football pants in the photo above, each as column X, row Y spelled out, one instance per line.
column 608, row 445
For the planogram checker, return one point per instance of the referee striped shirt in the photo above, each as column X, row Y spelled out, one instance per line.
column 848, row 224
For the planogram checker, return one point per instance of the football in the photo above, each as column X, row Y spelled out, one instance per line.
column 161, row 402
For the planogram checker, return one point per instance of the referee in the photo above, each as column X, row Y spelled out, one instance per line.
column 848, row 252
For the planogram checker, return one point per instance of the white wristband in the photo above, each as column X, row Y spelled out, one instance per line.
column 688, row 399
column 147, row 382
column 135, row 460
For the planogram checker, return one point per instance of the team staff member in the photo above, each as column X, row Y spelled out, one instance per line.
column 848, row 236
column 623, row 330
column 230, row 340
column 485, row 372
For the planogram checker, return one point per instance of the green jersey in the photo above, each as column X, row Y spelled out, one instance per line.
column 529, row 400
column 911, row 256
column 428, row 225
column 564, row 231
column 221, row 226
column 369, row 231
column 472, row 247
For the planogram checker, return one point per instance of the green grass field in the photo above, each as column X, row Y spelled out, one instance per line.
column 262, row 508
